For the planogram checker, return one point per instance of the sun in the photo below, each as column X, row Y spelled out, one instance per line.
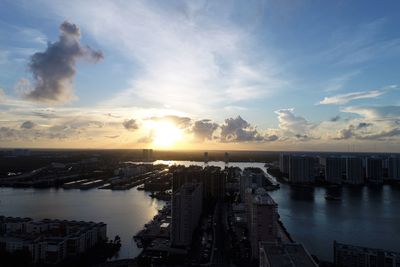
column 166, row 134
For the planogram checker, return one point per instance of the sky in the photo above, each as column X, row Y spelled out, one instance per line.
column 237, row 75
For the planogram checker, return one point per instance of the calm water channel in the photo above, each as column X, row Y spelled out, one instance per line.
column 368, row 216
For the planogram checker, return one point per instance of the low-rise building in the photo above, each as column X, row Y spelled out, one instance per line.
column 355, row 256
column 49, row 241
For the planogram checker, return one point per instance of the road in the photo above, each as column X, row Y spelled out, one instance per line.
column 221, row 245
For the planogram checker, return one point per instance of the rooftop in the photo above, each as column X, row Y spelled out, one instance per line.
column 287, row 255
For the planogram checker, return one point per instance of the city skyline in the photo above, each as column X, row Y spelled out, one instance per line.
column 259, row 75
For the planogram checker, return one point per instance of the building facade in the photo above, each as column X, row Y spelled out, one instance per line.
column 354, row 170
column 186, row 212
column 334, row 170
column 49, row 241
column 355, row 256
column 374, row 169
column 302, row 169
column 284, row 163
column 394, row 167
column 273, row 254
column 262, row 218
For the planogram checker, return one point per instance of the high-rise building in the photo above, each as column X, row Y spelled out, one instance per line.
column 214, row 182
column 184, row 175
column 302, row 169
column 226, row 158
column 284, row 162
column 394, row 167
column 334, row 169
column 262, row 219
column 212, row 178
column 206, row 157
column 275, row 254
column 147, row 155
column 250, row 179
column 354, row 170
column 354, row 256
column 374, row 170
column 186, row 212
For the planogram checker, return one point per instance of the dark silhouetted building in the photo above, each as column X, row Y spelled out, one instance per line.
column 334, row 167
column 354, row 170
column 273, row 254
column 374, row 170
column 147, row 155
column 302, row 169
column 284, row 162
column 354, row 256
column 186, row 212
column 262, row 218
column 394, row 167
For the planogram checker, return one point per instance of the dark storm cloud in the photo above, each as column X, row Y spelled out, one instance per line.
column 27, row 125
column 130, row 125
column 54, row 69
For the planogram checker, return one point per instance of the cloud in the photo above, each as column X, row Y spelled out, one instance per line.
column 112, row 115
column 335, row 119
column 271, row 138
column 2, row 95
column 47, row 114
column 375, row 112
column 361, row 43
column 149, row 138
column 291, row 124
column 54, row 69
column 345, row 98
column 204, row 129
column 189, row 58
column 112, row 136
column 352, row 131
column 7, row 133
column 383, row 135
column 239, row 130
column 344, row 134
column 363, row 125
column 339, row 82
column 27, row 125
column 181, row 122
column 130, row 125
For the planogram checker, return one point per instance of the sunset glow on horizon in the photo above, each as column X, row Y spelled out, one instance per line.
column 261, row 75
